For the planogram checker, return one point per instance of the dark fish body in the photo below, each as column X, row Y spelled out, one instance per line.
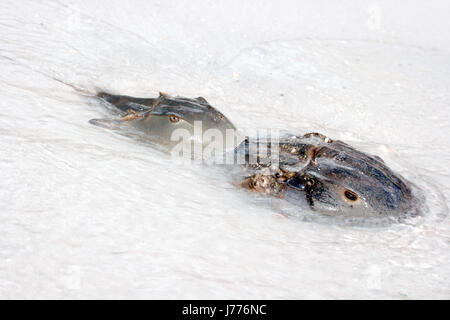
column 334, row 178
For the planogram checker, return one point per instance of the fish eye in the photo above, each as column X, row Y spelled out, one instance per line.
column 350, row 195
column 174, row 119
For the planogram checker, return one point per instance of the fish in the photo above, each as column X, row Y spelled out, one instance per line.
column 330, row 176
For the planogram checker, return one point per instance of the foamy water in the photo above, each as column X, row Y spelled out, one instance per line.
column 89, row 213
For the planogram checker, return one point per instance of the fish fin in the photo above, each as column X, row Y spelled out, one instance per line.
column 378, row 158
column 163, row 94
